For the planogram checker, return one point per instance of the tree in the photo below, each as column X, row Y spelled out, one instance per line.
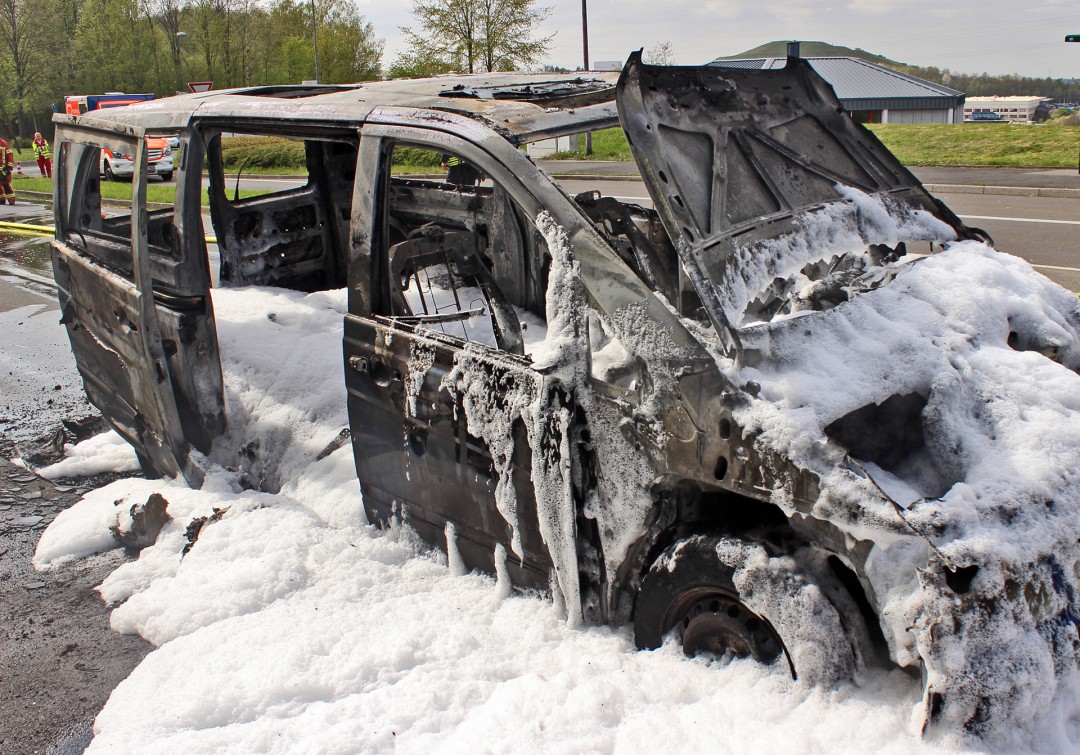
column 167, row 15
column 28, row 58
column 415, row 63
column 348, row 49
column 507, row 27
column 116, row 47
column 473, row 35
column 661, row 55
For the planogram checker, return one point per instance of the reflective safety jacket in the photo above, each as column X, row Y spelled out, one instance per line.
column 7, row 158
column 41, row 148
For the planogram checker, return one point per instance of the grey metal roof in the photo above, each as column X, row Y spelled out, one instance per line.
column 857, row 79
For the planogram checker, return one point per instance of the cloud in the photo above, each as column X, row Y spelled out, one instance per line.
column 993, row 38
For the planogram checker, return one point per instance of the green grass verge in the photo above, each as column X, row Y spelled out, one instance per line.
column 982, row 144
column 163, row 193
column 609, row 144
column 968, row 144
column 269, row 155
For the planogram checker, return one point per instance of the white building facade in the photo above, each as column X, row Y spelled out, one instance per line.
column 1017, row 108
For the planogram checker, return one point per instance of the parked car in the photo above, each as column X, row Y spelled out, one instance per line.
column 159, row 161
column 721, row 419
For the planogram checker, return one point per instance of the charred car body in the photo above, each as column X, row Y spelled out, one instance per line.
column 575, row 392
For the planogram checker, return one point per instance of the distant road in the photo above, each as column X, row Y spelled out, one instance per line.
column 1044, row 231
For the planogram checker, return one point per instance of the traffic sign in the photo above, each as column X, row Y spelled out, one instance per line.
column 200, row 86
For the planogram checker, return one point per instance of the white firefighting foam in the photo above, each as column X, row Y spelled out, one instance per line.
column 993, row 347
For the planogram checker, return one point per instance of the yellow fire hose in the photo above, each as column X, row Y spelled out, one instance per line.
column 48, row 230
column 38, row 230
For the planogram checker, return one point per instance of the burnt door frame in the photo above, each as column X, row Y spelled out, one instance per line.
column 416, row 460
column 147, row 354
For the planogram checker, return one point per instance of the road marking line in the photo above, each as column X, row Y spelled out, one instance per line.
column 1021, row 220
column 1055, row 267
column 648, row 200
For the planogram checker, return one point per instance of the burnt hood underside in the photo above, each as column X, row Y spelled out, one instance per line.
column 731, row 156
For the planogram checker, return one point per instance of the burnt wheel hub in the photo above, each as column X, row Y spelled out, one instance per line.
column 719, row 624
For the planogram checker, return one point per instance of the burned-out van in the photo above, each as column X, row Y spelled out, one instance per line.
column 791, row 409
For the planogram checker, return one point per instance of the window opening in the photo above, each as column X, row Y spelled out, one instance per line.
column 291, row 233
column 105, row 236
column 462, row 258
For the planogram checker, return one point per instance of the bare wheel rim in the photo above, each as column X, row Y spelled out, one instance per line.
column 713, row 622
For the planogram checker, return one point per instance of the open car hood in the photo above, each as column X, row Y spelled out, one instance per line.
column 735, row 159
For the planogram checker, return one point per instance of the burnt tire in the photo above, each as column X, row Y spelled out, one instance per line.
column 723, row 595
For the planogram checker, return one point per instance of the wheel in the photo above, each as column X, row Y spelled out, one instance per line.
column 109, row 175
column 166, row 176
column 730, row 598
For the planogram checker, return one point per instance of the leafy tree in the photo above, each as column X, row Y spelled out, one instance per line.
column 115, row 44
column 507, row 27
column 473, row 35
column 419, row 63
column 53, row 48
column 348, row 49
column 28, row 58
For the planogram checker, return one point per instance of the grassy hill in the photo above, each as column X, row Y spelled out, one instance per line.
column 969, row 144
column 972, row 84
column 778, row 49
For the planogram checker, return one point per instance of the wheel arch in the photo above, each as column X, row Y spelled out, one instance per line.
column 690, row 511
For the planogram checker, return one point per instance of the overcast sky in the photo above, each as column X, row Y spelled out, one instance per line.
column 967, row 36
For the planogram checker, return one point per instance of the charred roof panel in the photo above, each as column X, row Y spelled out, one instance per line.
column 526, row 106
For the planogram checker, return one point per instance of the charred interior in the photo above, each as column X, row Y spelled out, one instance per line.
column 296, row 238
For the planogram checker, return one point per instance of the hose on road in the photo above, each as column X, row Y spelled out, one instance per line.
column 48, row 230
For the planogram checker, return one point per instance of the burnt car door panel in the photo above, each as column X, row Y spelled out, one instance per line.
column 134, row 292
column 442, row 400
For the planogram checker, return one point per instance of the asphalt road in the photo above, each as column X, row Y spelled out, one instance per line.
column 1043, row 230
column 59, row 659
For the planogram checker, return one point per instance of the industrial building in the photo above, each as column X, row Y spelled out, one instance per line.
column 1016, row 108
column 873, row 93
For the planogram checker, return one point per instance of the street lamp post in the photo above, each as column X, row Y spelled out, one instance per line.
column 1075, row 38
column 315, row 37
column 180, row 58
column 585, row 50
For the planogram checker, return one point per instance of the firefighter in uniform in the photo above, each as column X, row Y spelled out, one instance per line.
column 7, row 167
column 44, row 156
column 459, row 172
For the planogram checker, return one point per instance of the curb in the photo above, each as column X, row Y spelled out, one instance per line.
column 1012, row 191
column 1015, row 191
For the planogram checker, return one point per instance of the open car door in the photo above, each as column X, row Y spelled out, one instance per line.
column 134, row 293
